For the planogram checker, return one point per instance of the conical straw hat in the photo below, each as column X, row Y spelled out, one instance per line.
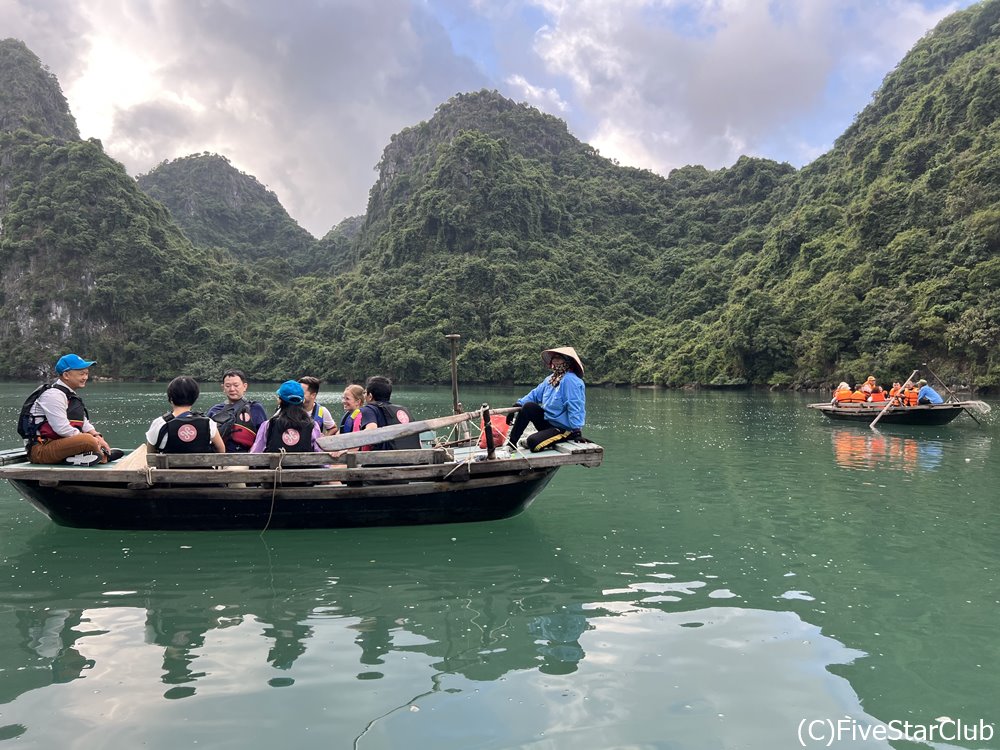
column 569, row 353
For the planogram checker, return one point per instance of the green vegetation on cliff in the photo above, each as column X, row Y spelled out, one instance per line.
column 218, row 206
column 493, row 221
column 30, row 96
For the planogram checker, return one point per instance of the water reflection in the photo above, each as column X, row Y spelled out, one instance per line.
column 854, row 449
column 482, row 623
column 134, row 624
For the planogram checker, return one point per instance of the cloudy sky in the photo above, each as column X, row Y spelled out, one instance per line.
column 305, row 94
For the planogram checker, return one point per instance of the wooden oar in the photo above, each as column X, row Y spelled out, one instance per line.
column 391, row 432
column 134, row 461
column 888, row 404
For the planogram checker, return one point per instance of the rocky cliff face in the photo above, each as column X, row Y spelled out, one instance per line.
column 30, row 96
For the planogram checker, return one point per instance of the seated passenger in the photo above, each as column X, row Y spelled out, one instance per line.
column 380, row 412
column 858, row 396
column 182, row 430
column 238, row 418
column 895, row 392
column 55, row 423
column 353, row 399
column 877, row 395
column 291, row 428
column 322, row 415
column 869, row 386
column 842, row 394
column 927, row 395
column 909, row 394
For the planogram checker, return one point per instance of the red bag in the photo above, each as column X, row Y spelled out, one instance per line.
column 500, row 428
column 243, row 435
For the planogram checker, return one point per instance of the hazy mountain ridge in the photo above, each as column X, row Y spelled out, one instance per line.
column 219, row 206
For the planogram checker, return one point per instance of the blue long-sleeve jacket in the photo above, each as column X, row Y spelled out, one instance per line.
column 930, row 394
column 565, row 405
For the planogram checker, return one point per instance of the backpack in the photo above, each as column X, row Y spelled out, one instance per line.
column 27, row 427
column 232, row 429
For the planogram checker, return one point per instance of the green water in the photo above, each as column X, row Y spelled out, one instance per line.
column 737, row 567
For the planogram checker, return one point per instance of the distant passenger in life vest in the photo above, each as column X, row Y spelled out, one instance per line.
column 927, row 395
column 869, row 386
column 895, row 392
column 183, row 430
column 877, row 395
column 843, row 394
column 909, row 394
column 291, row 428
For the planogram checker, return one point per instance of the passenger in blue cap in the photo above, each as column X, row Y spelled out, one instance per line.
column 291, row 428
column 58, row 428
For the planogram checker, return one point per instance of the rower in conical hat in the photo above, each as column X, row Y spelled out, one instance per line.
column 557, row 406
column 566, row 352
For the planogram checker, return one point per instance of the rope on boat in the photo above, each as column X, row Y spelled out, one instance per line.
column 274, row 489
column 468, row 461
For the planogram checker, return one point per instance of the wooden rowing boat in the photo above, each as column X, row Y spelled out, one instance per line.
column 294, row 490
column 925, row 414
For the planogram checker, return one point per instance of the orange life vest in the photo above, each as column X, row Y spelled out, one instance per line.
column 878, row 395
column 909, row 397
column 858, row 397
column 842, row 394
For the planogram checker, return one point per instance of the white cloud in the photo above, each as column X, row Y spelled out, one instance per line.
column 547, row 100
column 670, row 83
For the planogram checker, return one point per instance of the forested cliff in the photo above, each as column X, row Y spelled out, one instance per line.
column 492, row 221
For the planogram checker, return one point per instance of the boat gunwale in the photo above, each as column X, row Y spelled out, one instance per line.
column 448, row 471
column 877, row 406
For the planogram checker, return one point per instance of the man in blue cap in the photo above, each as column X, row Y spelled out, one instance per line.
column 62, row 431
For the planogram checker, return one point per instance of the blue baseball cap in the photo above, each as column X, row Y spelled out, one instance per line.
column 291, row 391
column 72, row 362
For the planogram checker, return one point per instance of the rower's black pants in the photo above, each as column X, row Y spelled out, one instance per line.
column 547, row 435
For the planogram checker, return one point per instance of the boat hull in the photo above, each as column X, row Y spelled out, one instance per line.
column 930, row 414
column 109, row 506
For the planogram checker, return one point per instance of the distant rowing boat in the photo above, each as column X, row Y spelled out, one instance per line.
column 924, row 414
